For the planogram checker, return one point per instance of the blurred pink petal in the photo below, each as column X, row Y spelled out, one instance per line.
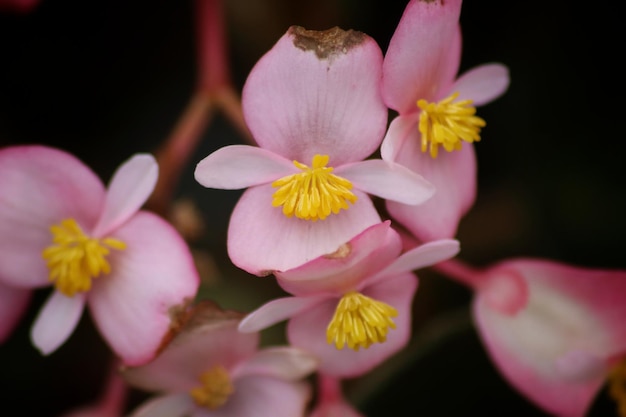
column 39, row 187
column 132, row 306
column 387, row 180
column 56, row 320
column 281, row 362
column 276, row 311
column 482, row 84
column 555, row 349
column 240, row 166
column 423, row 55
column 254, row 223
column 324, row 99
column 170, row 405
column 308, row 330
column 13, row 304
column 128, row 190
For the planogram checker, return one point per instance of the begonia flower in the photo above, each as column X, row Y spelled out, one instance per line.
column 59, row 226
column 13, row 304
column 436, row 114
column 554, row 331
column 352, row 308
column 313, row 106
column 210, row 369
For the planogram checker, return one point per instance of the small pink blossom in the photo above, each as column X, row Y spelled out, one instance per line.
column 367, row 273
column 60, row 226
column 553, row 330
column 209, row 369
column 313, row 105
column 419, row 71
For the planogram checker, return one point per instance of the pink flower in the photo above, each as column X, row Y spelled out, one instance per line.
column 436, row 114
column 313, row 105
column 357, row 297
column 553, row 330
column 211, row 370
column 59, row 226
column 13, row 305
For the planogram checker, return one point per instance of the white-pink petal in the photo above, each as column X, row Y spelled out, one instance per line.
column 283, row 362
column 401, row 129
column 317, row 93
column 276, row 311
column 261, row 239
column 56, row 321
column 40, row 187
column 129, row 188
column 171, row 405
column 133, row 305
column 387, row 180
column 240, row 166
column 482, row 84
column 13, row 305
column 423, row 55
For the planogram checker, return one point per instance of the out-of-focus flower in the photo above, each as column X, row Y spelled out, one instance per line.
column 555, row 331
column 13, row 304
column 209, row 369
column 358, row 298
column 18, row 6
column 436, row 114
column 59, row 226
column 313, row 105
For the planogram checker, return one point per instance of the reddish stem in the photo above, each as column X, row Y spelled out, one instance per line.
column 461, row 272
column 329, row 389
column 211, row 43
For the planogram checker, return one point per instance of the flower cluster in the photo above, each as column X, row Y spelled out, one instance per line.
column 317, row 107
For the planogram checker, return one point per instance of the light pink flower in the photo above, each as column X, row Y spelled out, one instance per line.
column 60, row 226
column 418, row 71
column 553, row 330
column 211, row 370
column 357, row 297
column 13, row 304
column 313, row 105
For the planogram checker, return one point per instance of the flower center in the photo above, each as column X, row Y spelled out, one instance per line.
column 447, row 123
column 74, row 258
column 360, row 321
column 215, row 390
column 617, row 387
column 313, row 193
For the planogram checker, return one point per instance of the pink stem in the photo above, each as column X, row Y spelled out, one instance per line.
column 113, row 401
column 461, row 272
column 211, row 43
column 329, row 389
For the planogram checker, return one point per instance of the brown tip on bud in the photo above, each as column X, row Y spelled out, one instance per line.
column 326, row 43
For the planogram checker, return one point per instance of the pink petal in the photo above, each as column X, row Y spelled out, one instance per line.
column 482, row 84
column 132, row 306
column 56, row 321
column 255, row 223
column 13, row 305
column 323, row 96
column 454, row 176
column 130, row 187
column 344, row 270
column 553, row 349
column 308, row 330
column 387, row 180
column 208, row 339
column 39, row 187
column 260, row 396
column 428, row 254
column 240, row 166
column 172, row 405
column 284, row 363
column 276, row 311
column 423, row 55
column 401, row 129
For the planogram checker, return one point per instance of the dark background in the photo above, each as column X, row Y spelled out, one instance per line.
column 106, row 79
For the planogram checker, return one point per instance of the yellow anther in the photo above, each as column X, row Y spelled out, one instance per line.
column 448, row 123
column 313, row 193
column 359, row 321
column 617, row 387
column 215, row 390
column 74, row 258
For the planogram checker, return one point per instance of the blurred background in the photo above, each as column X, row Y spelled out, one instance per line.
column 106, row 79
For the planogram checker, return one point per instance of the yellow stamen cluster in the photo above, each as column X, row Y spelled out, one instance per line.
column 74, row 258
column 314, row 193
column 617, row 387
column 215, row 390
column 447, row 123
column 359, row 321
